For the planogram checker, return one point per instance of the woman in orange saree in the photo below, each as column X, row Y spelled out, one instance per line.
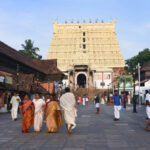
column 53, row 116
column 27, row 109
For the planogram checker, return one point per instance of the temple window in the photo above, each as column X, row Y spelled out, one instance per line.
column 84, row 46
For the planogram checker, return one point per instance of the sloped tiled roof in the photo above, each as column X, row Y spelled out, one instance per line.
column 44, row 66
column 19, row 57
column 50, row 66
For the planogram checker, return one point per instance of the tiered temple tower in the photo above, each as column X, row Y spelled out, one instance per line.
column 87, row 53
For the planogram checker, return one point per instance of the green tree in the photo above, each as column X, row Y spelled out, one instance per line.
column 142, row 58
column 29, row 50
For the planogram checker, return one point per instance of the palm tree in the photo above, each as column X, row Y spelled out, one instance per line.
column 29, row 50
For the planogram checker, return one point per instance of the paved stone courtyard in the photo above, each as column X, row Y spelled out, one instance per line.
column 93, row 132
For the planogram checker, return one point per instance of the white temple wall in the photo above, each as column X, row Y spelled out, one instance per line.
column 103, row 77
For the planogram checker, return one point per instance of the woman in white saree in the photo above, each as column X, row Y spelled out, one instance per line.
column 38, row 113
column 68, row 103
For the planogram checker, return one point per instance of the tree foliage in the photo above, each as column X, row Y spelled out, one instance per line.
column 142, row 57
column 29, row 50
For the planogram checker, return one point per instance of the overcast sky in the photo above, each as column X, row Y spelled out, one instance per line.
column 32, row 19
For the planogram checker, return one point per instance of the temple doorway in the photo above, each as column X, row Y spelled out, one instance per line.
column 81, row 81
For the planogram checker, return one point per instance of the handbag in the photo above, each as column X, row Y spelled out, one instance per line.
column 121, row 108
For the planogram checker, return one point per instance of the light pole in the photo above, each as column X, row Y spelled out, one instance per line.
column 124, row 93
column 139, row 78
column 134, row 98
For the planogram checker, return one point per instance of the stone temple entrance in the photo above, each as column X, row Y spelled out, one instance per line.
column 81, row 81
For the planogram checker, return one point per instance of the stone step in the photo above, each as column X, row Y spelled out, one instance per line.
column 90, row 92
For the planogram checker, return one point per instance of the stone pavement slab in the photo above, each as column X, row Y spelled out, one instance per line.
column 93, row 132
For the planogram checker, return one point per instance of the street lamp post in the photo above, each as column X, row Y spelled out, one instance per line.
column 124, row 93
column 134, row 98
column 139, row 78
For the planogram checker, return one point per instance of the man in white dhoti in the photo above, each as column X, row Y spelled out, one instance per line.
column 147, row 99
column 15, row 100
column 68, row 103
column 39, row 105
column 97, row 103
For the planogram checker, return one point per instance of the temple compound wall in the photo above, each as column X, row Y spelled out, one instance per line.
column 88, row 53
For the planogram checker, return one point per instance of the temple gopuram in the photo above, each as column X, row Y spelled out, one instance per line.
column 87, row 53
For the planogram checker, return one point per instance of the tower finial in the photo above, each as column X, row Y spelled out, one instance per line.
column 66, row 22
column 96, row 21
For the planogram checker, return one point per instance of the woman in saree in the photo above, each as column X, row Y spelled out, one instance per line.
column 39, row 105
column 27, row 110
column 53, row 116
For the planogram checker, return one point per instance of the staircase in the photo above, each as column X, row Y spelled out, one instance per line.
column 90, row 92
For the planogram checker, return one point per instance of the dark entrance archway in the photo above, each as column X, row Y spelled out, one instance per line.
column 81, row 80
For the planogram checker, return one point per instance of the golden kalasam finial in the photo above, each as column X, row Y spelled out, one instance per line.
column 66, row 22
column 54, row 22
column 96, row 21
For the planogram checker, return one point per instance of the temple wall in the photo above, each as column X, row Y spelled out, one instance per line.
column 95, row 45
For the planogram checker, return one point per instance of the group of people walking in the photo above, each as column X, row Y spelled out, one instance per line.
column 117, row 99
column 83, row 100
column 35, row 112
